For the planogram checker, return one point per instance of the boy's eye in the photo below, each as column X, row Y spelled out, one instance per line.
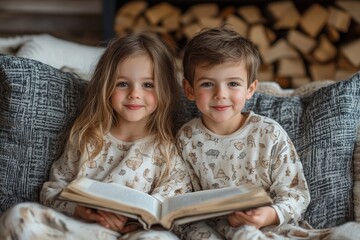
column 122, row 84
column 233, row 84
column 148, row 85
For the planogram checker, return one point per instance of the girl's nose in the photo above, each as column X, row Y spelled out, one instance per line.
column 133, row 93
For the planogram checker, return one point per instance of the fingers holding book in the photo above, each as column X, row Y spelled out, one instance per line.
column 116, row 222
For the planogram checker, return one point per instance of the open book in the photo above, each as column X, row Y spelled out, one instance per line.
column 150, row 211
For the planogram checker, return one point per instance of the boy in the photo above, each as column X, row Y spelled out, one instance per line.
column 228, row 147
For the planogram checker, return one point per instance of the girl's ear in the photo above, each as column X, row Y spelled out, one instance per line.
column 251, row 89
column 188, row 90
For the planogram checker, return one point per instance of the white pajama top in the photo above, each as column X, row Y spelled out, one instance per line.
column 259, row 153
column 136, row 164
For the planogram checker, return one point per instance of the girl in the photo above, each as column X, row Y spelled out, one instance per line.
column 124, row 134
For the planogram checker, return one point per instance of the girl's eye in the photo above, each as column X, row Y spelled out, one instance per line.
column 122, row 84
column 148, row 85
column 206, row 84
column 233, row 84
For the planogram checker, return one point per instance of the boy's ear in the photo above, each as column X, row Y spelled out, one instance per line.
column 251, row 89
column 188, row 90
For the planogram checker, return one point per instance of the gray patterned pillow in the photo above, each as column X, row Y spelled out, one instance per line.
column 38, row 103
column 323, row 127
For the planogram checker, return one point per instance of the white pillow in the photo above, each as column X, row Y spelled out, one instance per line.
column 61, row 53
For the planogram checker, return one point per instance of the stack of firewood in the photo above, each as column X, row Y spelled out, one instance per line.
column 296, row 47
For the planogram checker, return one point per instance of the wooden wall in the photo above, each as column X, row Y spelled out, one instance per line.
column 76, row 20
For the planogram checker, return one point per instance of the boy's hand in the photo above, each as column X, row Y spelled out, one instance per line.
column 258, row 217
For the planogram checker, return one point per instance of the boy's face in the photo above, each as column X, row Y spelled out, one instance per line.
column 220, row 93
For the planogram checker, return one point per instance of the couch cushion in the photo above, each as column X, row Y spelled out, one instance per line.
column 38, row 103
column 323, row 127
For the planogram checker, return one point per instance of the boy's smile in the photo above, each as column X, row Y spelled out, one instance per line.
column 220, row 107
column 220, row 92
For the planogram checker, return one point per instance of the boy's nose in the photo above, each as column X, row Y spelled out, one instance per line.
column 219, row 93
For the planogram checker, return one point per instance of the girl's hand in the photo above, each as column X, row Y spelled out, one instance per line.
column 116, row 222
column 258, row 217
column 87, row 214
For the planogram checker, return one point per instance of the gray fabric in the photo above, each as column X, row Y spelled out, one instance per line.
column 38, row 103
column 323, row 127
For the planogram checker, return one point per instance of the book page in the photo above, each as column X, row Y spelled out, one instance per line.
column 116, row 196
column 200, row 197
column 209, row 203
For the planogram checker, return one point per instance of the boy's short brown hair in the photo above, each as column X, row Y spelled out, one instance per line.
column 213, row 46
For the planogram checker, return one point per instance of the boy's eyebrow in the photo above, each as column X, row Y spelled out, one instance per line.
column 230, row 78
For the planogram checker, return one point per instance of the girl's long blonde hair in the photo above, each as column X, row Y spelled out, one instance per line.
column 97, row 115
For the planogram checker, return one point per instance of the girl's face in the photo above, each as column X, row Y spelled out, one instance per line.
column 220, row 93
column 134, row 98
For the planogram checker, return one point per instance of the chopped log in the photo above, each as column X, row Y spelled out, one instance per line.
column 140, row 24
column 342, row 74
column 301, row 42
column 191, row 29
column 283, row 53
column 322, row 71
column 352, row 8
column 210, row 22
column 123, row 22
column 325, row 50
column 291, row 68
column 270, row 34
column 236, row 24
column 280, row 49
column 351, row 52
column 314, row 19
column 168, row 38
column 257, row 34
column 309, row 58
column 160, row 11
column 227, row 11
column 279, row 8
column 332, row 34
column 284, row 82
column 187, row 17
column 285, row 14
column 289, row 19
column 298, row 81
column 204, row 10
column 344, row 63
column 251, row 14
column 172, row 22
column 132, row 8
column 339, row 19
column 266, row 72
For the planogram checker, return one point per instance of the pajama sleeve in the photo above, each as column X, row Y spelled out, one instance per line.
column 62, row 172
column 289, row 188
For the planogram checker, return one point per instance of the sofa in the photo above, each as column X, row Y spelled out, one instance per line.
column 39, row 102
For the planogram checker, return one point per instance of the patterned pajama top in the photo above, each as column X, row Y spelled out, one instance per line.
column 136, row 164
column 259, row 153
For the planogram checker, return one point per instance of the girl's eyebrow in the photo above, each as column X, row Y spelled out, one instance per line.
column 144, row 78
